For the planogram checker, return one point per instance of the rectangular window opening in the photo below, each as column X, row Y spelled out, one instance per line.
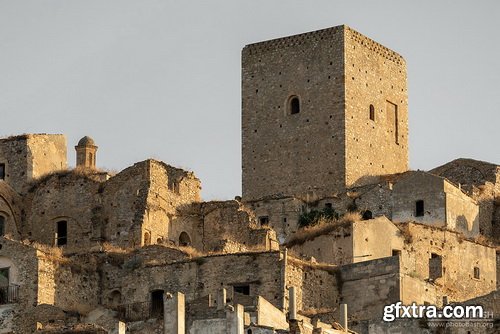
column 477, row 274
column 243, row 289
column 396, row 252
column 264, row 220
column 61, row 233
column 2, row 171
column 419, row 208
column 435, row 266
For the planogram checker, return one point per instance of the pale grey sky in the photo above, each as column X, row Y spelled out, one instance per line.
column 161, row 79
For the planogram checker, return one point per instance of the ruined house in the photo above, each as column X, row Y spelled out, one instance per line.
column 325, row 138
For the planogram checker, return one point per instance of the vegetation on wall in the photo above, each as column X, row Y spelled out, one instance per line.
column 312, row 217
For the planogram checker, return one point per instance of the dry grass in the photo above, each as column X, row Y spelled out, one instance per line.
column 311, row 265
column 110, row 248
column 54, row 254
column 322, row 227
column 316, row 311
column 192, row 252
column 74, row 173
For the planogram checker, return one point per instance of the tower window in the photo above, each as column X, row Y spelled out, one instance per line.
column 477, row 273
column 372, row 112
column 61, row 233
column 419, row 208
column 2, row 171
column 294, row 105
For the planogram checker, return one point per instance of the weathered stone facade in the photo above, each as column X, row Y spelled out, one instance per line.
column 331, row 142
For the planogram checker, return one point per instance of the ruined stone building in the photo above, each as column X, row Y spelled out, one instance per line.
column 330, row 216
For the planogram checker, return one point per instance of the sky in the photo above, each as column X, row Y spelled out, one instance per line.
column 161, row 79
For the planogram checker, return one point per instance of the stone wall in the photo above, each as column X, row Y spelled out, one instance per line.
column 70, row 196
column 279, row 153
column 375, row 82
column 336, row 74
column 317, row 286
column 28, row 157
column 11, row 208
column 261, row 272
column 443, row 203
column 458, row 258
column 22, row 262
column 367, row 286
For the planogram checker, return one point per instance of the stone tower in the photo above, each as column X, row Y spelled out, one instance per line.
column 322, row 111
column 86, row 153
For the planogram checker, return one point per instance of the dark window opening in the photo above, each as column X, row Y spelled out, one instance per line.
column 396, row 252
column 445, row 300
column 184, row 239
column 476, row 273
column 2, row 226
column 372, row 112
column 61, row 233
column 2, row 171
column 435, row 266
column 4, row 286
column 157, row 303
column 419, row 208
column 294, row 105
column 328, row 205
column 367, row 215
column 243, row 289
column 90, row 159
column 249, row 331
column 264, row 220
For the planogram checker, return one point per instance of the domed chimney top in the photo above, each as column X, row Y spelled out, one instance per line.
column 86, row 141
column 86, row 152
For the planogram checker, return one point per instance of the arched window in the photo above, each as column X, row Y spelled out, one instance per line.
column 294, row 105
column 367, row 215
column 184, row 239
column 372, row 112
column 115, row 298
column 2, row 226
column 90, row 159
column 61, row 233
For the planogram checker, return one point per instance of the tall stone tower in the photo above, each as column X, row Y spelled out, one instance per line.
column 322, row 111
column 86, row 153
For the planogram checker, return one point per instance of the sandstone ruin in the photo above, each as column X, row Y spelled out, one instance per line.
column 330, row 216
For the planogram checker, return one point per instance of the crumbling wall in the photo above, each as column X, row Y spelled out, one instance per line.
column 374, row 239
column 424, row 187
column 316, row 286
column 28, row 157
column 22, row 262
column 70, row 196
column 47, row 153
column 170, row 188
column 458, row 256
column 72, row 284
column 335, row 247
column 198, row 277
column 124, row 205
column 380, row 284
column 462, row 212
column 11, row 209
